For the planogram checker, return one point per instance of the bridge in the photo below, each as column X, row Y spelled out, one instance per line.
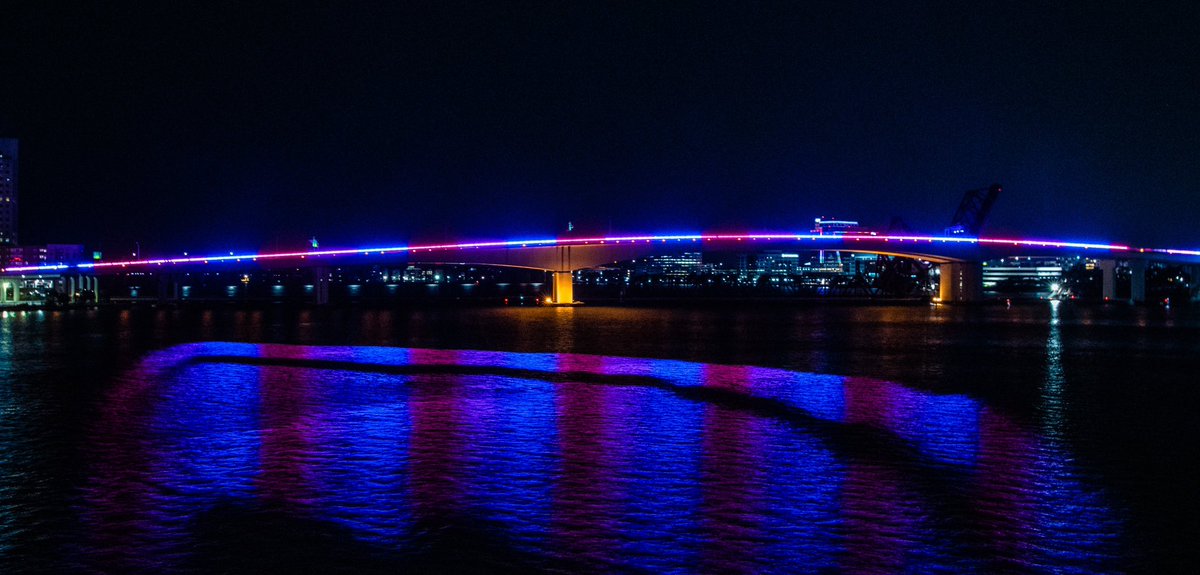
column 958, row 258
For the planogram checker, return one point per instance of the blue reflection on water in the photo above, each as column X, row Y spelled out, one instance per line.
column 585, row 463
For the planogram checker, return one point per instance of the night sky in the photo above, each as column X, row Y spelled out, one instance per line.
column 207, row 126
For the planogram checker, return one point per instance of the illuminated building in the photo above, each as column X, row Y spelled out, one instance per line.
column 42, row 255
column 834, row 227
column 8, row 191
column 670, row 265
column 1023, row 274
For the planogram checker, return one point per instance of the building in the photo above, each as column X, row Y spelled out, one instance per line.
column 1023, row 275
column 671, row 265
column 8, row 192
column 836, row 227
column 11, row 252
column 41, row 255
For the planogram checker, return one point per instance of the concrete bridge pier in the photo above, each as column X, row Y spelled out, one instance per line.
column 1108, row 282
column 169, row 288
column 1137, row 281
column 90, row 283
column 320, row 285
column 563, row 286
column 94, row 287
column 960, row 282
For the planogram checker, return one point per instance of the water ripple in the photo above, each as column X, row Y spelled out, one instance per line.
column 218, row 454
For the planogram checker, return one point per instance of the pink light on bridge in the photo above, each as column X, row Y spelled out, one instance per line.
column 563, row 242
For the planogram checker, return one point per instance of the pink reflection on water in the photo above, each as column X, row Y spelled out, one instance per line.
column 879, row 514
column 436, row 440
column 586, row 497
column 1004, row 489
column 731, row 471
column 138, row 499
column 287, row 399
column 120, row 493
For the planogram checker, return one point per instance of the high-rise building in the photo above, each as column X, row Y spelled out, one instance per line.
column 8, row 191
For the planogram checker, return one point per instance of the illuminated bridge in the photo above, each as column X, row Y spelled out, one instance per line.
column 959, row 258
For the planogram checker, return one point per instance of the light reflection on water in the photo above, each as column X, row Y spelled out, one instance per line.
column 572, row 463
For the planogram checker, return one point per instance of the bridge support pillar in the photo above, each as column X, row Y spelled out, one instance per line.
column 563, row 291
column 563, row 286
column 168, row 288
column 4, row 292
column 16, row 296
column 321, row 286
column 960, row 282
column 1137, row 281
column 1108, row 280
column 71, row 288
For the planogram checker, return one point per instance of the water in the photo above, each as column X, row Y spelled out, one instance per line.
column 1048, row 438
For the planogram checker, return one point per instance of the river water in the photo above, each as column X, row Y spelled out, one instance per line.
column 1039, row 438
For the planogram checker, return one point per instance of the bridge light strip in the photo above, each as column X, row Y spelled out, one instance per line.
column 562, row 242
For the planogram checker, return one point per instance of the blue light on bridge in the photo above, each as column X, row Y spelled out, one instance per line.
column 568, row 242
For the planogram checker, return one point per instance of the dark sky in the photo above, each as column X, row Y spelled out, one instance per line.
column 201, row 125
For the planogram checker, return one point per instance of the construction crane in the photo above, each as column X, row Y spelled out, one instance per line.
column 973, row 211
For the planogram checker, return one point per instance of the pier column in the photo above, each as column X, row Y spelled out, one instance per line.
column 1108, row 281
column 563, row 286
column 16, row 297
column 168, row 288
column 71, row 289
column 960, row 282
column 321, row 286
column 948, row 278
column 1137, row 281
column 4, row 292
column 972, row 281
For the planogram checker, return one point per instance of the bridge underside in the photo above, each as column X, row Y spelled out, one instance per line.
column 563, row 260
